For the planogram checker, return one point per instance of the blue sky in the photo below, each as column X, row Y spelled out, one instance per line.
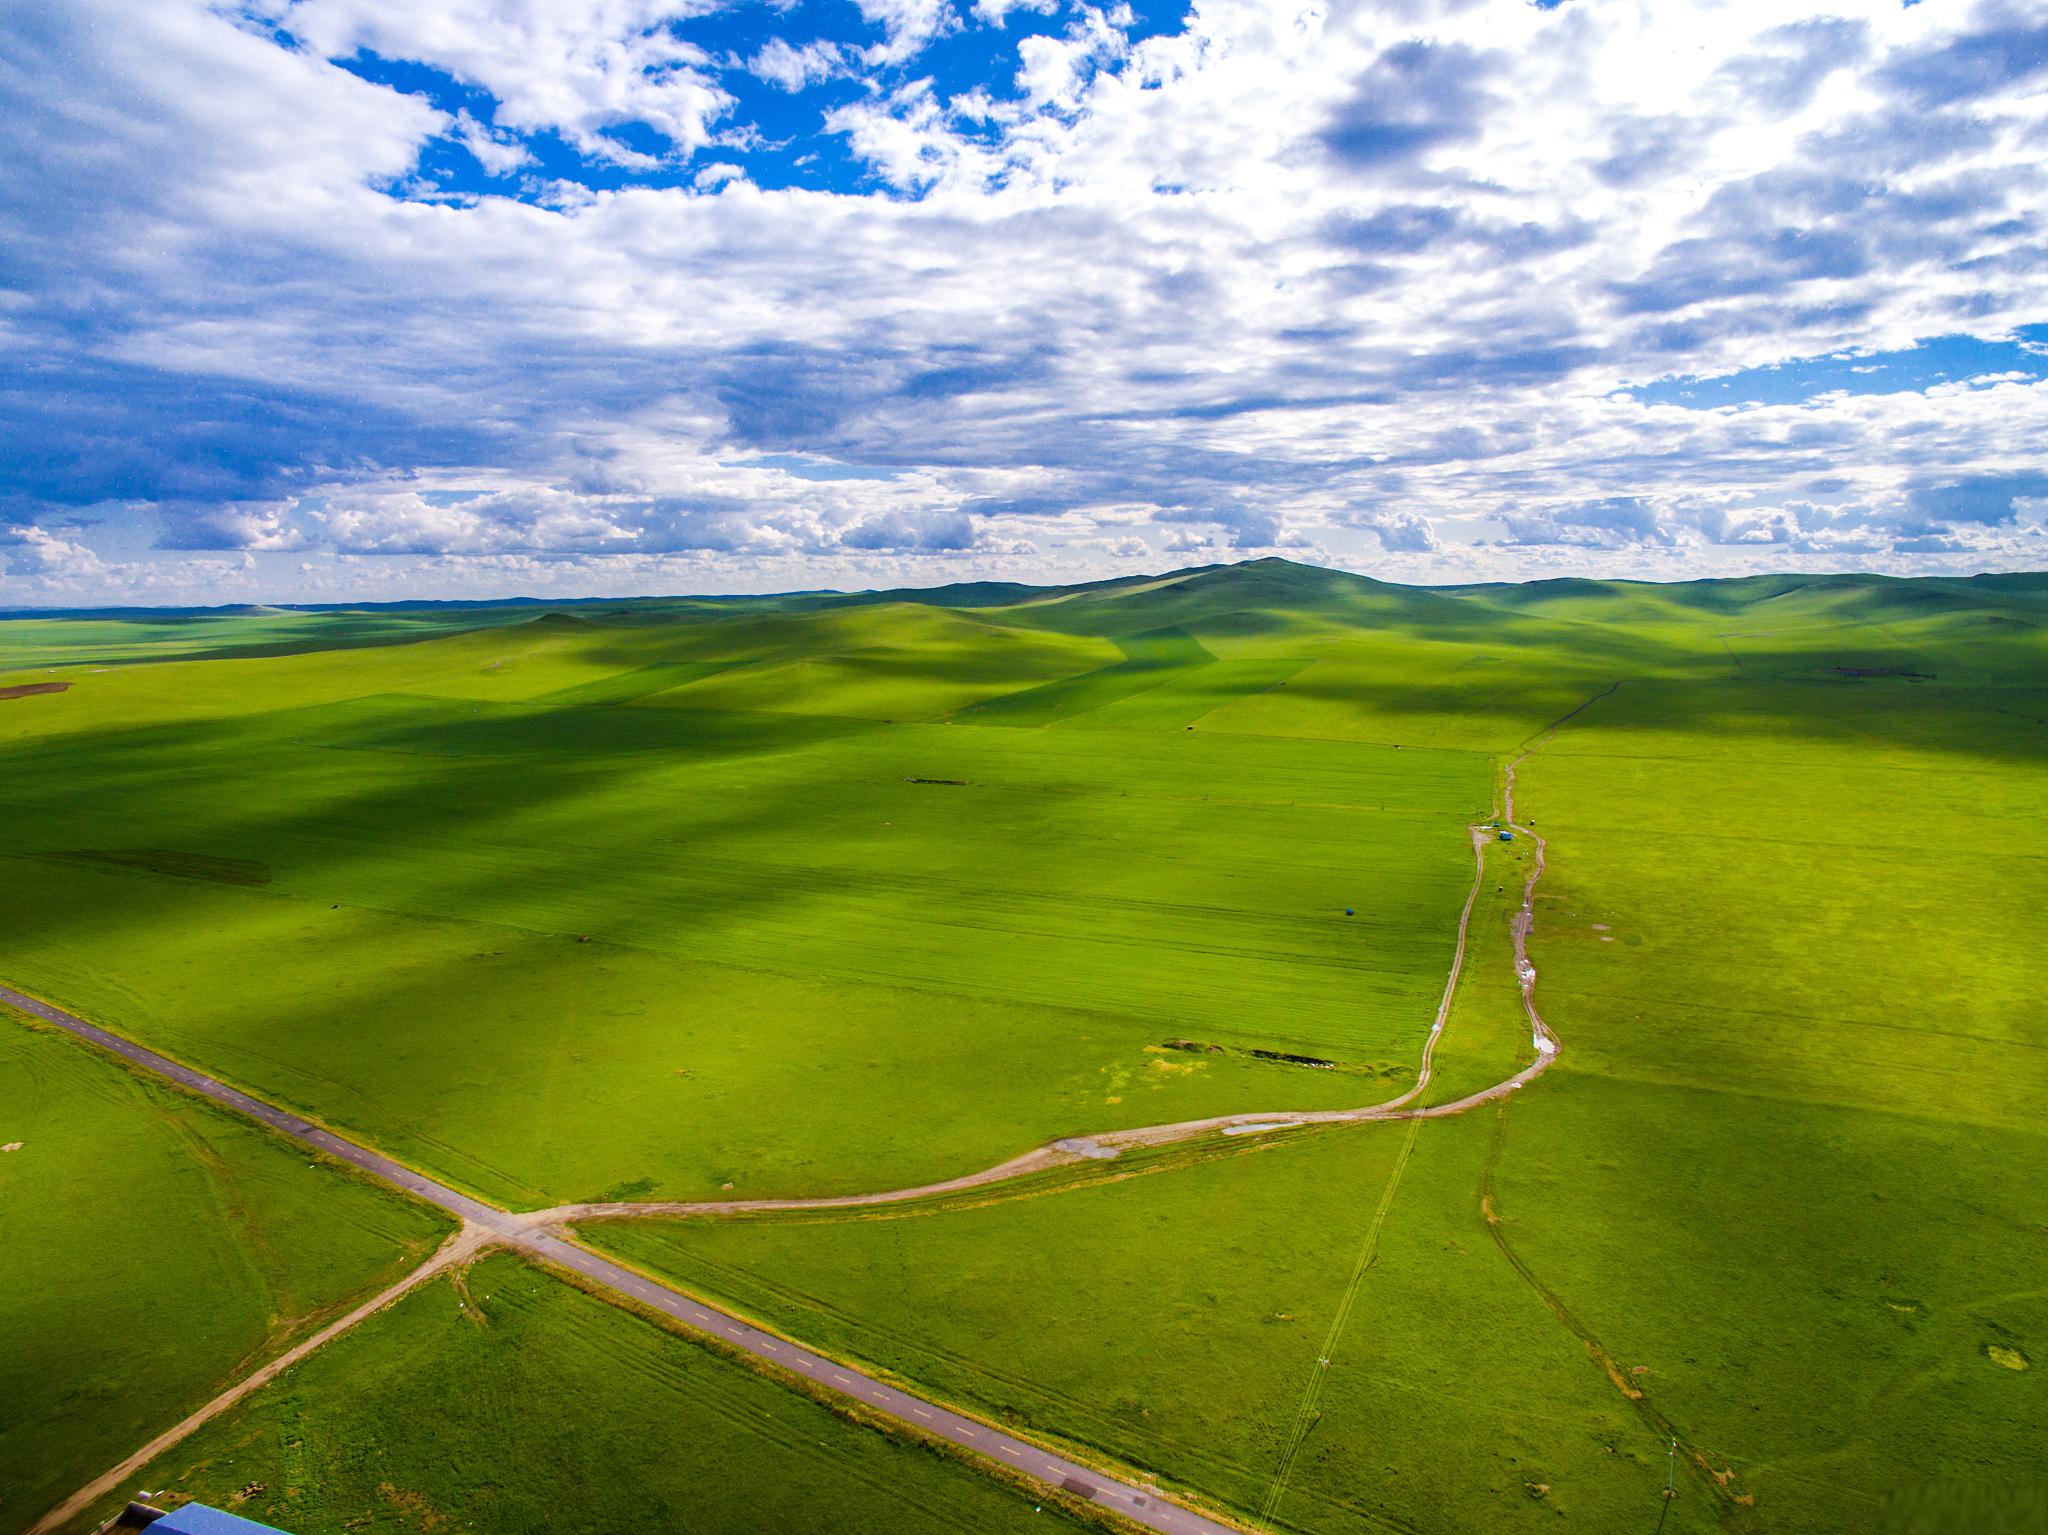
column 332, row 299
column 1930, row 363
column 783, row 71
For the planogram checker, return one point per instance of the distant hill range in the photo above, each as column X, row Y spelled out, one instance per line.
column 1198, row 591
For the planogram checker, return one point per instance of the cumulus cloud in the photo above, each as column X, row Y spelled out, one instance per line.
column 500, row 154
column 993, row 11
column 909, row 27
column 578, row 67
column 1980, row 498
column 949, row 532
column 1413, row 97
column 238, row 525
column 717, row 174
column 1397, row 531
column 37, row 555
column 1054, row 71
column 792, row 68
column 1101, row 298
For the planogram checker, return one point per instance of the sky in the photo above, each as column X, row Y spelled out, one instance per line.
column 342, row 300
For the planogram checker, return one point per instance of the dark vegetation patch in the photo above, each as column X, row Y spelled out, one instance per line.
column 222, row 871
column 1279, row 1057
column 958, row 783
column 1881, row 671
column 1287, row 1059
column 30, row 689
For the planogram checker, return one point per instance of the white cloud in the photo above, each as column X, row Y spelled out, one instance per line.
column 1054, row 71
column 715, row 175
column 1129, row 300
column 579, row 67
column 498, row 153
column 995, row 11
column 40, row 556
column 793, row 68
column 908, row 26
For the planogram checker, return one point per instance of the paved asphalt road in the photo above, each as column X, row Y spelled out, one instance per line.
column 1134, row 1503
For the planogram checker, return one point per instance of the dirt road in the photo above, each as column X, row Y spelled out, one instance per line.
column 486, row 1225
column 1109, row 1143
column 541, row 1234
column 460, row 1248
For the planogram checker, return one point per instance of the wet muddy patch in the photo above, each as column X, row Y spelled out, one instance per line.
column 1086, row 1146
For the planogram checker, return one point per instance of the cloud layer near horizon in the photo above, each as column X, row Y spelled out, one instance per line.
column 336, row 298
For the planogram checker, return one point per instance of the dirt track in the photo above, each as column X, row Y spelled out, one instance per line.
column 485, row 1225
column 461, row 1247
column 1064, row 1153
column 542, row 1235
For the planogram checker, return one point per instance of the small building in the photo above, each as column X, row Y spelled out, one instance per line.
column 192, row 1519
column 1506, row 835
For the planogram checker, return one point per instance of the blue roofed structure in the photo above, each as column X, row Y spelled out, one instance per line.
column 198, row 1519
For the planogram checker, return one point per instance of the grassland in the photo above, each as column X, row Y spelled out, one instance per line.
column 797, row 958
column 86, row 641
column 888, row 890
column 502, row 1399
column 1174, row 1322
column 154, row 1250
column 1786, row 1186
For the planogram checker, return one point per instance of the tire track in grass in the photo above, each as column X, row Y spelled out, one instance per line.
column 1306, row 1413
column 1066, row 1152
column 537, row 1234
column 1734, row 1507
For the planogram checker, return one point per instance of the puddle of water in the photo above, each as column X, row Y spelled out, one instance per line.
column 1082, row 1146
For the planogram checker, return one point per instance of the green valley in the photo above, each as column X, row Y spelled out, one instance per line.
column 725, row 903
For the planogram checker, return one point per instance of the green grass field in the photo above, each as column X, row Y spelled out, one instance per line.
column 882, row 891
column 1788, row 1178
column 800, row 976
column 155, row 1250
column 1174, row 1322
column 503, row 1399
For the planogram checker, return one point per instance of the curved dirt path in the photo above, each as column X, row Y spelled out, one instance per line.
column 537, row 1234
column 485, row 1225
column 1109, row 1144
